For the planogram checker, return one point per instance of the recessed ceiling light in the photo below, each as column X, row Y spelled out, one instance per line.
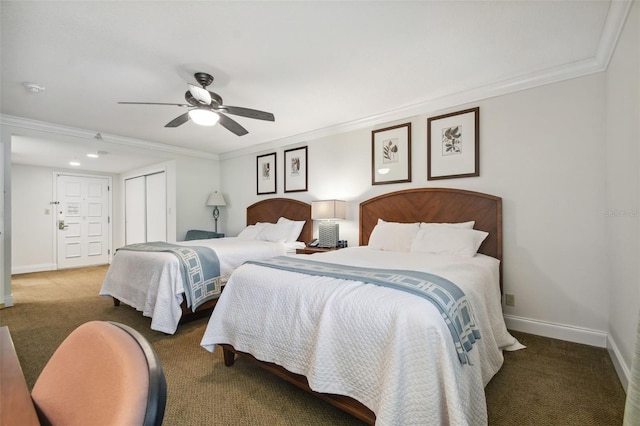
column 74, row 163
column 92, row 155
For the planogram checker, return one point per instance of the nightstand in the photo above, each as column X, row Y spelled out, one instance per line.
column 311, row 250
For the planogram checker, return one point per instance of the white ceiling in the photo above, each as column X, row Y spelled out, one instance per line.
column 316, row 65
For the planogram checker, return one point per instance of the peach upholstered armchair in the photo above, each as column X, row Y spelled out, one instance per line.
column 103, row 373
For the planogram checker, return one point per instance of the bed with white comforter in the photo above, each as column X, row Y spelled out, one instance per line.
column 385, row 348
column 151, row 282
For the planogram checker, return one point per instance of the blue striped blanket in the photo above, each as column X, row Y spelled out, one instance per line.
column 199, row 267
column 447, row 297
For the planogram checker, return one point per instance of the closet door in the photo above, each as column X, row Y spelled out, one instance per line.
column 135, row 210
column 156, row 206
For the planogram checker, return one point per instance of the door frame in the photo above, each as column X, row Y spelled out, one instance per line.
column 54, row 217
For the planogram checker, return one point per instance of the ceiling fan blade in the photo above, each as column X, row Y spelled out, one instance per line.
column 231, row 125
column 247, row 112
column 179, row 120
column 153, row 103
column 200, row 94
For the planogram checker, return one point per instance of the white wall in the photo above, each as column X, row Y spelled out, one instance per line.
column 5, row 240
column 542, row 151
column 33, row 230
column 5, row 226
column 623, row 192
column 195, row 180
column 189, row 182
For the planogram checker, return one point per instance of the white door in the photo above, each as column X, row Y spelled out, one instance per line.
column 82, row 221
column 135, row 211
column 156, row 207
column 145, row 208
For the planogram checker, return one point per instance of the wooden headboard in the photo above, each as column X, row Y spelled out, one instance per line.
column 437, row 205
column 272, row 209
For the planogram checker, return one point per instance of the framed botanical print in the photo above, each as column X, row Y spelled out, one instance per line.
column 391, row 154
column 453, row 145
column 266, row 173
column 295, row 172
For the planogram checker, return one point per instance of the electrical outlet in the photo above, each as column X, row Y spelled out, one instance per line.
column 510, row 300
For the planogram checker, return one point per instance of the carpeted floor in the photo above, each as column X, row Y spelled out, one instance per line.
column 552, row 382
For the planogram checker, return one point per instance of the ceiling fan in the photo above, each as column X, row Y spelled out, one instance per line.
column 208, row 109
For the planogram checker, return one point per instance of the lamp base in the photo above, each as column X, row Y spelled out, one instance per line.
column 216, row 215
column 328, row 234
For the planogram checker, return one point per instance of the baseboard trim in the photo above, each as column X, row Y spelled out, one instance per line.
column 557, row 331
column 623, row 370
column 34, row 268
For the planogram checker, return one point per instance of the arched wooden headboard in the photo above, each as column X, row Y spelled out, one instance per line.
column 437, row 205
column 270, row 210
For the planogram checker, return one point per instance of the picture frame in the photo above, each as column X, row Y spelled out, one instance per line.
column 453, row 145
column 295, row 170
column 391, row 154
column 266, row 173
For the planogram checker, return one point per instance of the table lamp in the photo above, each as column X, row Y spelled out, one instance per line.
column 216, row 200
column 327, row 212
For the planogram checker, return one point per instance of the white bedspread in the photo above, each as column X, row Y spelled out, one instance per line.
column 388, row 349
column 151, row 281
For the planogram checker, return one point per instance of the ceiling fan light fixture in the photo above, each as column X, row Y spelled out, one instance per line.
column 204, row 117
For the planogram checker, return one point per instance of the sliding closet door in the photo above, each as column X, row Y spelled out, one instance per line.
column 135, row 210
column 146, row 208
column 156, row 207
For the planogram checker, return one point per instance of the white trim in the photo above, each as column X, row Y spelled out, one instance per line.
column 618, row 11
column 616, row 17
column 34, row 268
column 26, row 123
column 623, row 370
column 569, row 333
column 8, row 301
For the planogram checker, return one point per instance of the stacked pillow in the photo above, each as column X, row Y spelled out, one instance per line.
column 458, row 239
column 284, row 231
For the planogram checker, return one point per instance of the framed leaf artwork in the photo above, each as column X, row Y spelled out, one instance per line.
column 453, row 145
column 391, row 154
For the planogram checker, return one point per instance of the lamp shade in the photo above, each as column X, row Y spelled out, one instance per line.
column 328, row 209
column 216, row 199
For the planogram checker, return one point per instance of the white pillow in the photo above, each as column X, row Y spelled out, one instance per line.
column 465, row 225
column 251, row 231
column 296, row 228
column 448, row 240
column 276, row 232
column 393, row 236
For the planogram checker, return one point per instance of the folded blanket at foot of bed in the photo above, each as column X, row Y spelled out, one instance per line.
column 199, row 267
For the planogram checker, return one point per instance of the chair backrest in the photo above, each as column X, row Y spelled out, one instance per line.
column 195, row 234
column 103, row 373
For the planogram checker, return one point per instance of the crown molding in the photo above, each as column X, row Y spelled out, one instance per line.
column 504, row 87
column 25, row 123
column 616, row 17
